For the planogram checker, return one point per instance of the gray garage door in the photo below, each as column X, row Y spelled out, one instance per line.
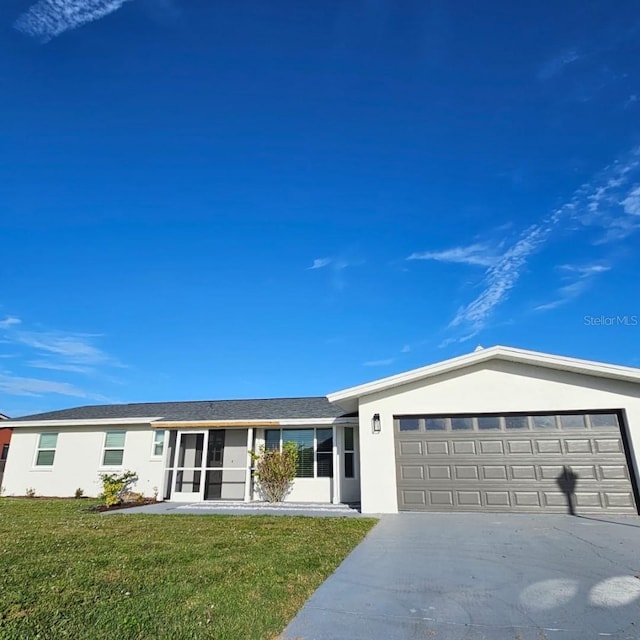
column 534, row 462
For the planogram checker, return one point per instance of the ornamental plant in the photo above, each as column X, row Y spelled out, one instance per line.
column 275, row 471
column 115, row 486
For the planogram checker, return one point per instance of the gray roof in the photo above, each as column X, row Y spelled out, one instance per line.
column 268, row 409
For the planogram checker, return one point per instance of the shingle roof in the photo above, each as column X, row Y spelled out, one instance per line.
column 267, row 409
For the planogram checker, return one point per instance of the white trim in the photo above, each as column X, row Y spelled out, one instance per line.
column 102, row 464
column 335, row 498
column 154, row 455
column 347, row 397
column 98, row 422
column 247, row 473
column 303, row 422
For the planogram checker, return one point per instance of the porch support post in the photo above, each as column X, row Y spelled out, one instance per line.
column 247, row 476
column 335, row 498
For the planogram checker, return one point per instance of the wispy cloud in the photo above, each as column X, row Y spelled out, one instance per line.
column 9, row 322
column 501, row 278
column 319, row 263
column 58, row 366
column 474, row 254
column 556, row 65
column 47, row 19
column 578, row 278
column 610, row 202
column 19, row 386
column 406, row 348
column 75, row 348
column 378, row 363
column 62, row 354
column 631, row 203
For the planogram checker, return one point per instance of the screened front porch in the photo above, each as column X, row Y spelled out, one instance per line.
column 215, row 464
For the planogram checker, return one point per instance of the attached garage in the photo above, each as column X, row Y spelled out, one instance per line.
column 500, row 430
column 513, row 462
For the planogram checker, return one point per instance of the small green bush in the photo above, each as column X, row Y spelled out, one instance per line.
column 79, row 493
column 30, row 492
column 115, row 486
column 275, row 471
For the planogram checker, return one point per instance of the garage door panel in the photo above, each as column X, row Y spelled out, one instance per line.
column 520, row 447
column 469, row 498
column 500, row 470
column 467, row 472
column 491, row 447
column 523, row 472
column 412, row 472
column 578, row 446
column 438, row 447
column 614, row 472
column 494, row 472
column 464, row 447
column 437, row 472
column 549, row 446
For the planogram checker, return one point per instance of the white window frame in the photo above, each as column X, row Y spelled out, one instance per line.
column 103, row 465
column 349, row 451
column 315, row 449
column 45, row 467
column 155, row 443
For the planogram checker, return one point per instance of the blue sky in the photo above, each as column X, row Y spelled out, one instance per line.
column 256, row 198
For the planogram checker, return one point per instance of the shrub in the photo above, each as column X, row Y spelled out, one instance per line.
column 30, row 492
column 79, row 493
column 275, row 471
column 115, row 486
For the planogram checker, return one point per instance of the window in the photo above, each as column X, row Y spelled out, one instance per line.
column 462, row 424
column 516, row 422
column 5, row 452
column 272, row 439
column 544, row 422
column 604, row 420
column 488, row 422
column 303, row 439
column 315, row 449
column 349, row 453
column 158, row 442
column 46, row 449
column 435, row 424
column 113, row 448
column 572, row 422
column 409, row 424
column 324, row 453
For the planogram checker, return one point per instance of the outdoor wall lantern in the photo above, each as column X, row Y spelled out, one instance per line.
column 376, row 425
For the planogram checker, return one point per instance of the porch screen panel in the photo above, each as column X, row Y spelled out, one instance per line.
column 303, row 439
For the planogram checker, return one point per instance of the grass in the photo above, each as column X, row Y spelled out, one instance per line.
column 69, row 573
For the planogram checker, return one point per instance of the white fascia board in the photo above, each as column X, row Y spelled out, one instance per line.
column 512, row 354
column 96, row 422
column 314, row 421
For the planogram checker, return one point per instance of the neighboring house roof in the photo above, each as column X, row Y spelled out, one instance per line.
column 267, row 409
column 3, row 417
column 348, row 398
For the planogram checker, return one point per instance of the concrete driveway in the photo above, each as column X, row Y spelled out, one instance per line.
column 482, row 576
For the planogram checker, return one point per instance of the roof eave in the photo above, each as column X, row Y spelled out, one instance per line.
column 348, row 398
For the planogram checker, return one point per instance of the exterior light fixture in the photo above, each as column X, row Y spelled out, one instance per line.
column 376, row 425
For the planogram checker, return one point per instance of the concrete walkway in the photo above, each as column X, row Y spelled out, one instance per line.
column 482, row 577
column 313, row 510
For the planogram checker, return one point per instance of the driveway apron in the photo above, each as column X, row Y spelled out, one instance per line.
column 482, row 577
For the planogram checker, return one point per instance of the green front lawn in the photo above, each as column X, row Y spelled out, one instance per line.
column 69, row 573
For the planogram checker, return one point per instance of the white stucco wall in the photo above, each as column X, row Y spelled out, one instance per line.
column 496, row 386
column 78, row 461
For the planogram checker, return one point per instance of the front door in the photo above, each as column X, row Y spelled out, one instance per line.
column 188, row 481
column 213, row 471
